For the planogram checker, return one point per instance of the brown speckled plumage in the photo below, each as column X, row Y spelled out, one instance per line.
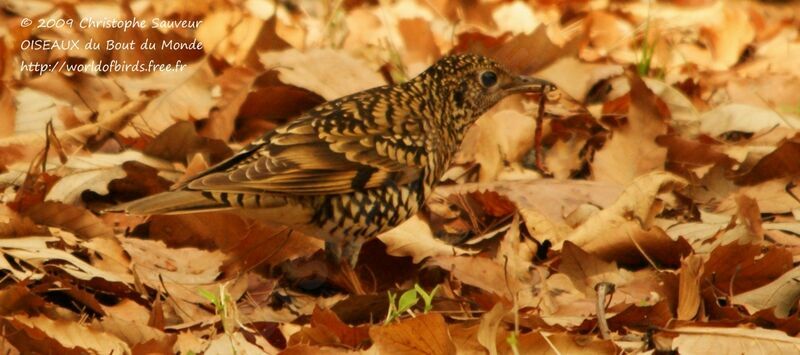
column 356, row 166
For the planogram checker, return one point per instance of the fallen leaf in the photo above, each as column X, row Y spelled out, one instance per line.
column 690, row 282
column 424, row 334
column 490, row 323
column 329, row 73
column 779, row 163
column 326, row 329
column 43, row 333
column 624, row 230
column 414, row 238
column 631, row 151
column 540, row 343
column 748, row 340
column 71, row 218
column 232, row 343
column 782, row 294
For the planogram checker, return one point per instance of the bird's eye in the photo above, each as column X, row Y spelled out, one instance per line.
column 488, row 78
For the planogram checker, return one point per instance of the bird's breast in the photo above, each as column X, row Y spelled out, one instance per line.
column 367, row 213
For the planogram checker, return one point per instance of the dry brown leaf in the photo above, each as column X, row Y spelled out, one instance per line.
column 238, row 37
column 515, row 17
column 504, row 136
column 329, row 73
column 235, row 343
column 36, row 252
column 414, row 238
column 180, row 142
column 73, row 99
column 608, row 35
column 326, row 329
column 535, row 343
column 737, row 268
column 474, row 270
column 18, row 298
column 66, row 334
column 782, row 162
column 107, row 123
column 737, row 117
column 490, row 324
column 133, row 333
column 728, row 36
column 7, row 109
column 542, row 228
column 12, row 224
column 190, row 342
column 586, row 270
column 128, row 310
column 749, row 216
column 320, row 350
column 70, row 188
column 425, row 334
column 773, row 196
column 691, row 273
column 552, row 198
column 181, row 95
column 760, row 90
column 739, row 340
column 782, row 294
column 684, row 116
column 515, row 254
column 71, row 218
column 465, row 338
column 269, row 103
column 156, row 263
column 526, row 53
column 632, row 151
column 420, row 44
column 236, row 84
column 97, row 171
column 246, row 243
column 621, row 231
column 576, row 78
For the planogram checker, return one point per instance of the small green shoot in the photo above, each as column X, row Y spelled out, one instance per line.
column 513, row 342
column 646, row 52
column 644, row 60
column 426, row 297
column 225, row 308
column 408, row 300
column 397, row 69
column 790, row 109
column 219, row 304
column 336, row 25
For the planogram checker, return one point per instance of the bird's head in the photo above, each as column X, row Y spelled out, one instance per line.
column 469, row 84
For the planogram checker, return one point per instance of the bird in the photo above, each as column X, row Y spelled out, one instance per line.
column 354, row 167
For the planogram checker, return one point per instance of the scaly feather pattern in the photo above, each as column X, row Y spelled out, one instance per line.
column 356, row 166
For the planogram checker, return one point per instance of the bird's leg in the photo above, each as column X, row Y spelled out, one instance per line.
column 339, row 253
column 333, row 252
column 351, row 250
column 344, row 256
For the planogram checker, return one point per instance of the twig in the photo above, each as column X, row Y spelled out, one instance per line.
column 537, row 138
column 603, row 289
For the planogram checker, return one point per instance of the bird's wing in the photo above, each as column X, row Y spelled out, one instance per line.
column 347, row 145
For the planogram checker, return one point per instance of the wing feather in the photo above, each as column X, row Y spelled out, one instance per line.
column 330, row 150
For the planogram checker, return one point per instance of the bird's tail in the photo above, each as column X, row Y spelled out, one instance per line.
column 171, row 202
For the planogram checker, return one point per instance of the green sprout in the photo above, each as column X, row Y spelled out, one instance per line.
column 408, row 300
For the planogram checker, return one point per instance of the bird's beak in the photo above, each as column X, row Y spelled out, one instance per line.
column 528, row 84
